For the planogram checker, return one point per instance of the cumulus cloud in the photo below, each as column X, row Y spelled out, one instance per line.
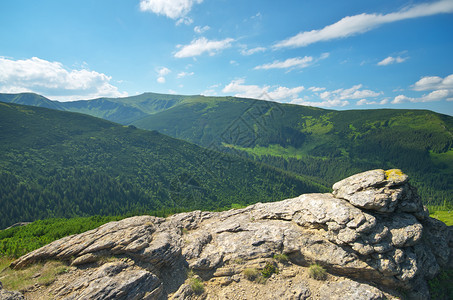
column 325, row 103
column 283, row 94
column 313, row 96
column 368, row 102
column 352, row 93
column 184, row 74
column 252, row 51
column 357, row 24
column 392, row 60
column 174, row 9
column 199, row 46
column 200, row 30
column 53, row 80
column 161, row 73
column 433, row 83
column 338, row 97
column 316, row 89
column 296, row 62
column 185, row 21
column 439, row 89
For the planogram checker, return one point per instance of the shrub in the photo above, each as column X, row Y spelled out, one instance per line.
column 317, row 272
column 195, row 282
column 251, row 273
column 196, row 285
column 268, row 270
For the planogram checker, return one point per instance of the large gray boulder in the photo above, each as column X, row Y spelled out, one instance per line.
column 372, row 233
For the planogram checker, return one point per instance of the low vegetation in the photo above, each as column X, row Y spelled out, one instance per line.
column 441, row 287
column 268, row 270
column 17, row 241
column 445, row 216
column 317, row 272
column 282, row 258
column 40, row 273
column 251, row 273
column 195, row 283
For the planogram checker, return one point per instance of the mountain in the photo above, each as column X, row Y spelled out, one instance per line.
column 326, row 145
column 62, row 164
column 31, row 99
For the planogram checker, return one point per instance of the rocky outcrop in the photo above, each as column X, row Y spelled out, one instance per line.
column 10, row 295
column 372, row 234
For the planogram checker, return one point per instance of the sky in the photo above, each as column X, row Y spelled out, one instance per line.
column 350, row 54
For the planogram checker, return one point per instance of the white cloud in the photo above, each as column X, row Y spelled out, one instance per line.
column 53, row 80
column 353, row 25
column 173, row 9
column 368, row 102
column 284, row 93
column 161, row 73
column 326, row 103
column 433, row 83
column 200, row 30
column 392, row 60
column 184, row 74
column 339, row 98
column 252, row 51
column 280, row 93
column 440, row 89
column 185, row 21
column 296, row 62
column 352, row 93
column 316, row 89
column 201, row 45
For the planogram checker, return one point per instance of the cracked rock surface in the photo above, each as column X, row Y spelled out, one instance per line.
column 372, row 235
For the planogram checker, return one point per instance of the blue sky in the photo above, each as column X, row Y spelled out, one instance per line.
column 327, row 53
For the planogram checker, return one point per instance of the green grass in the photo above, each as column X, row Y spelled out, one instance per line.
column 445, row 216
column 280, row 257
column 195, row 283
column 18, row 241
column 39, row 273
column 251, row 273
column 317, row 272
column 5, row 262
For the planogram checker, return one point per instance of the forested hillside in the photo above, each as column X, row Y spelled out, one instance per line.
column 60, row 164
column 326, row 145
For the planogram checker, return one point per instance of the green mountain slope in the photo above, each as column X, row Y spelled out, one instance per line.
column 321, row 143
column 326, row 145
column 31, row 99
column 61, row 164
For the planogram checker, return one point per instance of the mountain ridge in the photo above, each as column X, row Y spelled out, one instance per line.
column 323, row 144
column 63, row 164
